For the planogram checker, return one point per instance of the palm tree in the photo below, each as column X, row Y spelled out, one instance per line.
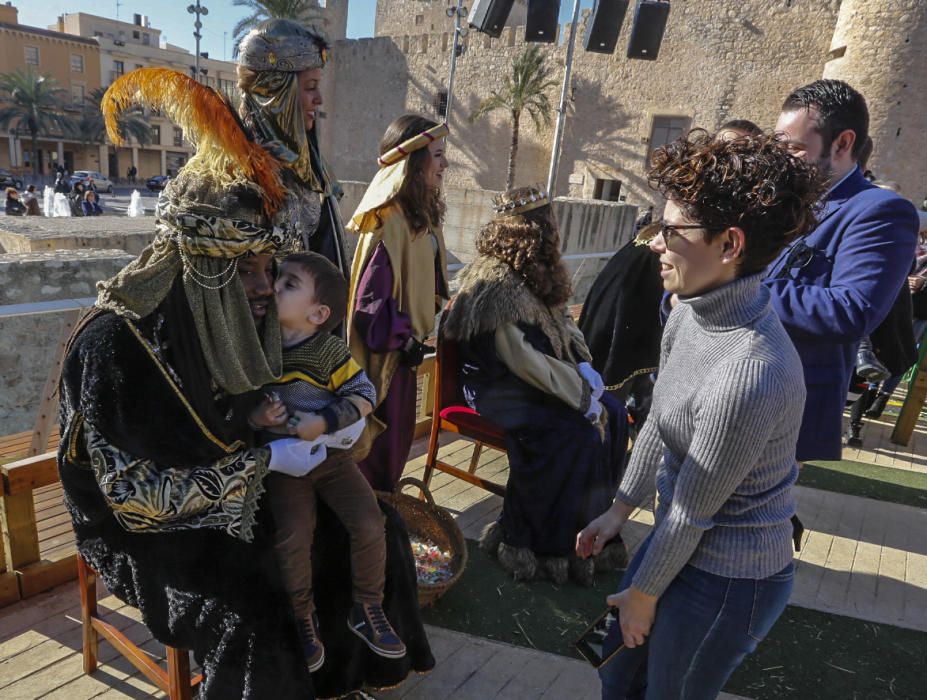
column 302, row 11
column 525, row 90
column 32, row 103
column 90, row 127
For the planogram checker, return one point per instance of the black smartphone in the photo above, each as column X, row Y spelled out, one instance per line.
column 591, row 643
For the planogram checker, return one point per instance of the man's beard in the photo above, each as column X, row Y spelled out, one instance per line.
column 825, row 168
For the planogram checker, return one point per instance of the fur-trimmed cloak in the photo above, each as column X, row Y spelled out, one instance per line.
column 201, row 588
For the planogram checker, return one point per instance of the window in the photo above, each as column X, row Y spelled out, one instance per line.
column 32, row 55
column 441, row 103
column 146, row 39
column 119, row 68
column 136, row 35
column 178, row 136
column 666, row 130
column 156, row 134
column 607, row 190
column 77, row 94
column 419, row 20
column 77, row 63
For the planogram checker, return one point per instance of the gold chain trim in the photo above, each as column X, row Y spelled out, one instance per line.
column 228, row 449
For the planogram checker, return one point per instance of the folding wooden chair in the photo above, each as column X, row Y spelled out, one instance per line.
column 175, row 680
column 452, row 414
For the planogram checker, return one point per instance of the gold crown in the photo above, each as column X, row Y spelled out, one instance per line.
column 520, row 200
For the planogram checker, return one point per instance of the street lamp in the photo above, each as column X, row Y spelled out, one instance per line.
column 197, row 10
column 561, row 109
column 456, row 13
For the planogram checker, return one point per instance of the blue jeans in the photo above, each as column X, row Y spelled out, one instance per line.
column 704, row 628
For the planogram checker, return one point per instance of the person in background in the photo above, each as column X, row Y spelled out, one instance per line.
column 716, row 571
column 735, row 128
column 31, row 202
column 62, row 186
column 90, row 206
column 14, row 206
column 280, row 77
column 398, row 285
column 524, row 366
column 834, row 286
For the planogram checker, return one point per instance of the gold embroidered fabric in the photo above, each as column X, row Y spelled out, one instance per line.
column 149, row 497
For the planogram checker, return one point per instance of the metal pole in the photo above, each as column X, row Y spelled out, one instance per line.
column 199, row 11
column 561, row 110
column 450, row 80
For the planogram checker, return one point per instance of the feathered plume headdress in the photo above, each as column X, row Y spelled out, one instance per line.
column 223, row 149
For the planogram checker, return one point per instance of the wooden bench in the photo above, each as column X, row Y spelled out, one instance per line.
column 40, row 561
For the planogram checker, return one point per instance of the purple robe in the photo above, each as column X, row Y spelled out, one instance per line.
column 385, row 328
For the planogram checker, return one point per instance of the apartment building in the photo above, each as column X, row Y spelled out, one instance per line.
column 125, row 46
column 73, row 62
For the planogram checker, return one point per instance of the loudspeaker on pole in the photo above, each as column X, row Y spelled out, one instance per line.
column 604, row 25
column 489, row 16
column 647, row 31
column 543, row 18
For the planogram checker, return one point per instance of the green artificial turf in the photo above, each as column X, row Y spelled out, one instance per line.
column 808, row 654
column 902, row 486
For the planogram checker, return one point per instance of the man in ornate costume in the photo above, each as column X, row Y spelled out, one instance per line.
column 156, row 459
column 280, row 73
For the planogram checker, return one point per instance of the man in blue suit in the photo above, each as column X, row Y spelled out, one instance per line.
column 834, row 287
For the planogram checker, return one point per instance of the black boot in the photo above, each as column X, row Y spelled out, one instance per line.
column 878, row 405
column 854, row 438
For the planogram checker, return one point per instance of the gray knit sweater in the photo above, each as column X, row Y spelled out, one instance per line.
column 719, row 444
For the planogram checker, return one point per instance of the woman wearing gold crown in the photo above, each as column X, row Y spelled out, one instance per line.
column 525, row 367
column 157, row 462
column 398, row 284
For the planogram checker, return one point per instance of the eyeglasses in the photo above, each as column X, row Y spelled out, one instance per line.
column 668, row 231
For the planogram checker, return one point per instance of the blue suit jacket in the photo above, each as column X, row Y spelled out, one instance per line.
column 862, row 247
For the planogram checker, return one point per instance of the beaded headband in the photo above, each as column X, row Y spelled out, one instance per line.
column 396, row 154
column 519, row 201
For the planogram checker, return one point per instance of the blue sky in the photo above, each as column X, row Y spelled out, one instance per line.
column 171, row 17
column 175, row 23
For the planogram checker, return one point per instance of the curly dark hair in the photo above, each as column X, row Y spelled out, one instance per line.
column 752, row 182
column 529, row 243
column 424, row 208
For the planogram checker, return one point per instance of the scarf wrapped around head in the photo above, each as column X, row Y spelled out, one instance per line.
column 277, row 51
column 394, row 164
column 217, row 209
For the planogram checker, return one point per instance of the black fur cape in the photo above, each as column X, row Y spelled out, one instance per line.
column 621, row 315
column 201, row 589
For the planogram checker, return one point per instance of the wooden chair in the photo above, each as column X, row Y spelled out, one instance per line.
column 175, row 680
column 452, row 414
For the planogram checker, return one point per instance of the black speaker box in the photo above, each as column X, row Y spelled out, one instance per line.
column 605, row 25
column 489, row 16
column 647, row 31
column 543, row 18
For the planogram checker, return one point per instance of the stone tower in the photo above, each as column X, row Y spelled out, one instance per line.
column 880, row 48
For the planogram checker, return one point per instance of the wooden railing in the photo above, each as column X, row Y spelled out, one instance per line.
column 38, row 550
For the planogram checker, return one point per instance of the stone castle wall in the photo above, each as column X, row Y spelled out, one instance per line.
column 718, row 61
column 429, row 16
column 877, row 47
column 28, row 343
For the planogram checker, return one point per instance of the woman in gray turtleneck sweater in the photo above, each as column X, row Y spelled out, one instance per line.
column 719, row 444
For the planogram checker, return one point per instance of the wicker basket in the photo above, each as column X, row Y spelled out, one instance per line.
column 429, row 521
